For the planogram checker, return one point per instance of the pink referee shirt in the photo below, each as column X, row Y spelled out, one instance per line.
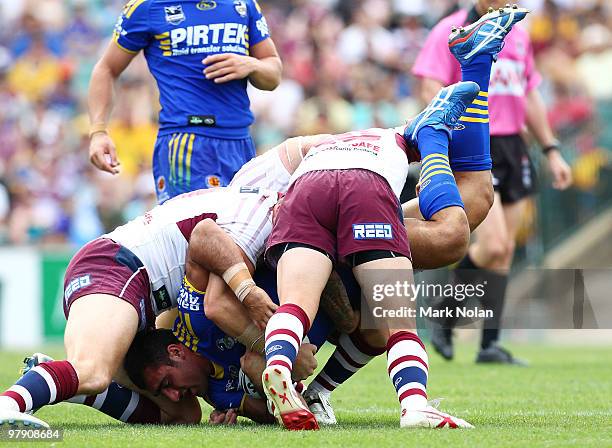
column 513, row 75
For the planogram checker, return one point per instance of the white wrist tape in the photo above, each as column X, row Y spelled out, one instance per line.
column 239, row 280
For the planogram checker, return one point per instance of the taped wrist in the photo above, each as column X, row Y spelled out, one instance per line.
column 239, row 280
column 252, row 338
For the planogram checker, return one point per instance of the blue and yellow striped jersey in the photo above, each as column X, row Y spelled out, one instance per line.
column 175, row 36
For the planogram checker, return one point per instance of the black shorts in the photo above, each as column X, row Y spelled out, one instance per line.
column 513, row 172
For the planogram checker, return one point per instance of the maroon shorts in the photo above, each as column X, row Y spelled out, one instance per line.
column 341, row 212
column 104, row 267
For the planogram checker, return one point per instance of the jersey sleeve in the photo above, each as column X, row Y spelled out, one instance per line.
column 133, row 30
column 435, row 59
column 258, row 27
column 222, row 399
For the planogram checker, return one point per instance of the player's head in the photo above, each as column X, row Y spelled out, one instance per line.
column 160, row 364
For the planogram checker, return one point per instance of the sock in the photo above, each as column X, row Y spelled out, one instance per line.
column 493, row 300
column 465, row 273
column 408, row 367
column 351, row 354
column 437, row 186
column 470, row 148
column 47, row 383
column 284, row 334
column 122, row 404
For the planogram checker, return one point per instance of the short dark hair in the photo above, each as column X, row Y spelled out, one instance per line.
column 148, row 349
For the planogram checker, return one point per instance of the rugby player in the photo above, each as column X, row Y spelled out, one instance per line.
column 117, row 284
column 361, row 176
column 201, row 55
column 515, row 103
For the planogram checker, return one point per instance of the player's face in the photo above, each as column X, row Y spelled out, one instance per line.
column 185, row 377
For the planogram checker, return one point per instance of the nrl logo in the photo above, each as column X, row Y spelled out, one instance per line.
column 174, row 14
column 240, row 7
column 206, row 5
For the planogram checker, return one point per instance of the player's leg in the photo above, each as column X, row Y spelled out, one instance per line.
column 98, row 333
column 302, row 275
column 304, row 245
column 495, row 266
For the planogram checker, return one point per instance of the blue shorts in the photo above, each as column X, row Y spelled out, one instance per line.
column 183, row 162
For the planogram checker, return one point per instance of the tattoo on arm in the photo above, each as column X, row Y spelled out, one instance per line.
column 335, row 302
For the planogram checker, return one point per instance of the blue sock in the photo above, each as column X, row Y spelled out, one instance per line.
column 437, row 186
column 470, row 148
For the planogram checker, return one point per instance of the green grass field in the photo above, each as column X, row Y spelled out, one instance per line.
column 563, row 399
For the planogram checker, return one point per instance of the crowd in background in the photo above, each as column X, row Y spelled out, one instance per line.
column 346, row 66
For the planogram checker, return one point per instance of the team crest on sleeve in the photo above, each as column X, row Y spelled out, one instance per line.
column 240, row 7
column 206, row 5
column 174, row 14
column 372, row 231
column 213, row 181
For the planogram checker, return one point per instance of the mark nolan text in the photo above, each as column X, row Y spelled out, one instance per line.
column 428, row 312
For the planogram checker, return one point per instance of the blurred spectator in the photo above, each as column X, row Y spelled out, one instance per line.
column 346, row 65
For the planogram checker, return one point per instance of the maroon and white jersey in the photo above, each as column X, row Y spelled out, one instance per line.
column 377, row 150
column 159, row 238
column 264, row 171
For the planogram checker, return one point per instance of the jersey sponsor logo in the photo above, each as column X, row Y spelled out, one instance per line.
column 75, row 284
column 206, row 5
column 459, row 127
column 189, row 300
column 162, row 298
column 213, row 181
column 202, row 120
column 240, row 7
column 508, row 78
column 273, row 349
column 213, row 38
column 262, row 26
column 174, row 14
column 249, row 189
column 397, row 381
column 225, row 343
column 373, row 231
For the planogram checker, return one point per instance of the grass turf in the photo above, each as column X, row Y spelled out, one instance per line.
column 563, row 399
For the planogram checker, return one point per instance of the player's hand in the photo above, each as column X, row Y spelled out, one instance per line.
column 102, row 153
column 259, row 306
column 227, row 417
column 561, row 171
column 228, row 67
column 305, row 363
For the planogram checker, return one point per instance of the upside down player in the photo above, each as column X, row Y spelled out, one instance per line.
column 117, row 284
column 309, row 236
column 515, row 105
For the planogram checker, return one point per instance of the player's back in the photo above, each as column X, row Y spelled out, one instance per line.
column 160, row 237
column 379, row 150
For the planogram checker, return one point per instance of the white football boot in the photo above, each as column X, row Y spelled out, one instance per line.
column 431, row 417
column 319, row 405
column 15, row 419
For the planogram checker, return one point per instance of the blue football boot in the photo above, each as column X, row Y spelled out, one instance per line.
column 444, row 111
column 486, row 36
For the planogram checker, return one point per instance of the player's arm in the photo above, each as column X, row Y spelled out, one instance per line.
column 335, row 302
column 214, row 250
column 263, row 66
column 256, row 409
column 538, row 124
column 100, row 101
